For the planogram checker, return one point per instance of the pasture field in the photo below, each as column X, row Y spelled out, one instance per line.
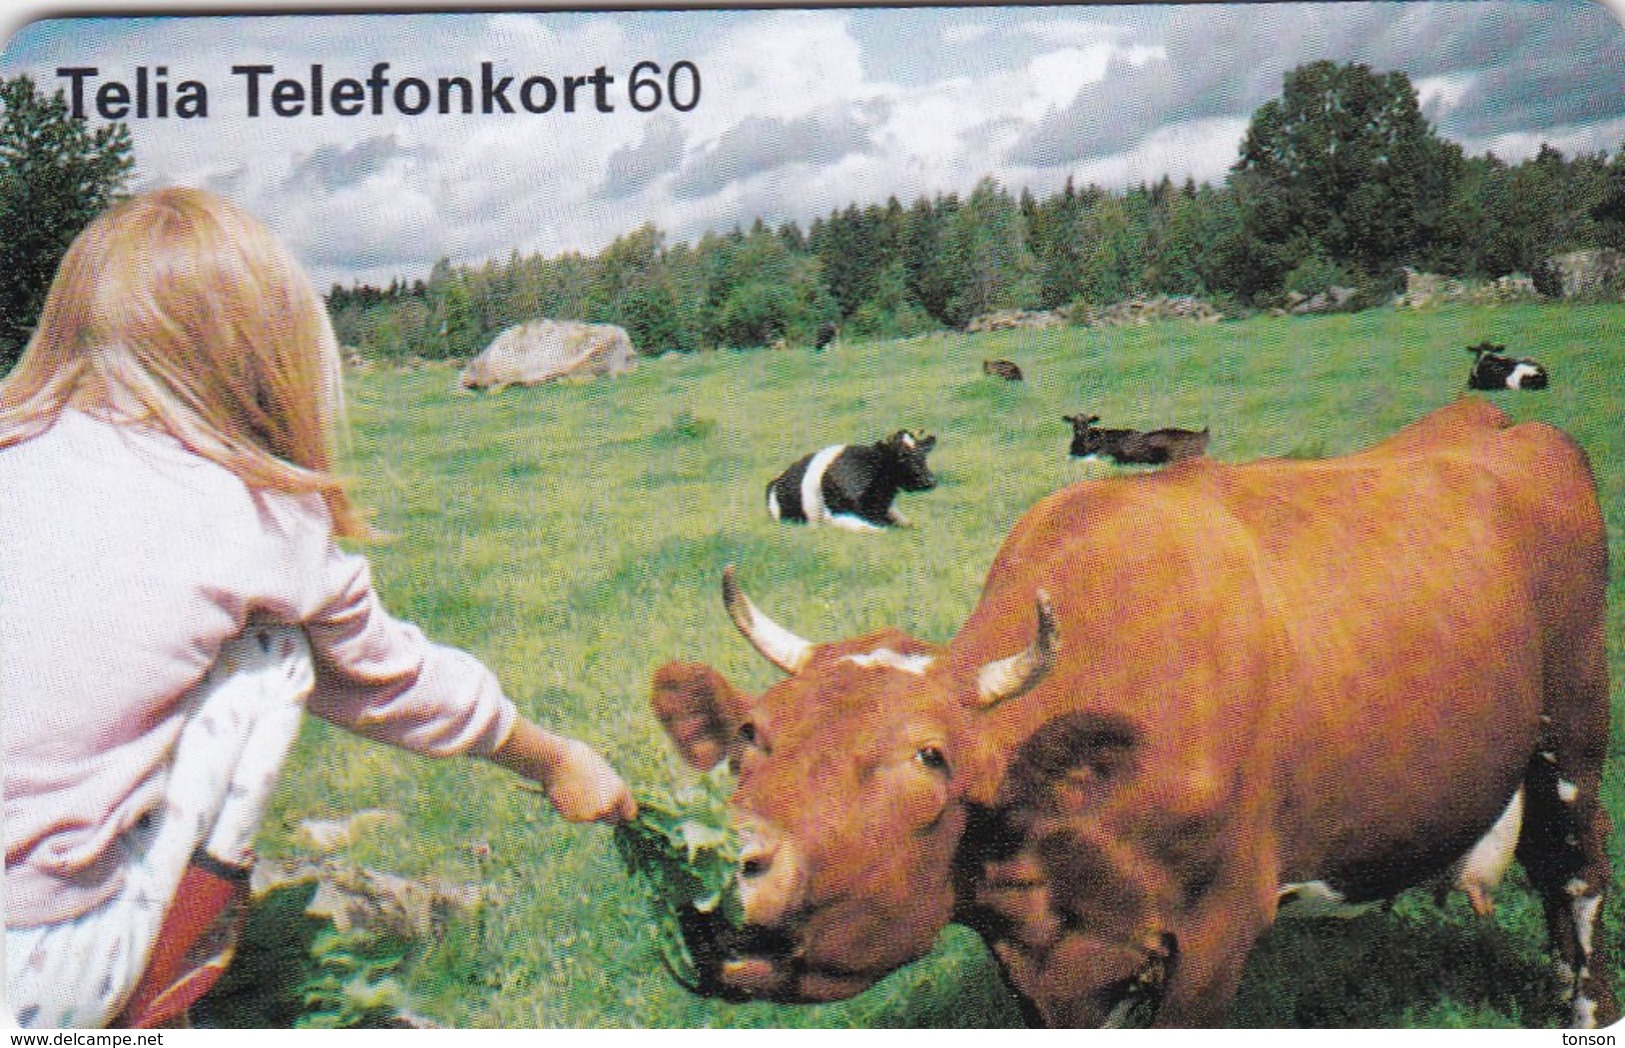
column 573, row 536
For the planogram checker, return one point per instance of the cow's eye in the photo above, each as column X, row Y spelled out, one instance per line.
column 932, row 757
column 747, row 744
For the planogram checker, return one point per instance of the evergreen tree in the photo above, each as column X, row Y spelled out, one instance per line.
column 631, row 288
column 759, row 291
column 1190, row 230
column 985, row 253
column 890, row 311
column 853, row 246
column 1111, row 256
column 1055, row 231
column 452, row 317
column 924, row 233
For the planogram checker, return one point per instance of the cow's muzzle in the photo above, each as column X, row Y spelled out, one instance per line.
column 759, row 963
column 790, row 979
column 768, row 958
column 733, row 963
column 762, row 958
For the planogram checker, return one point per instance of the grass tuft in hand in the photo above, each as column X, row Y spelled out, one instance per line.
column 685, row 848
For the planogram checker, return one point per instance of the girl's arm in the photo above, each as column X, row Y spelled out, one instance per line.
column 580, row 783
column 382, row 678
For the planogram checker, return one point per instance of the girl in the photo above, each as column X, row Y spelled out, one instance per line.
column 171, row 599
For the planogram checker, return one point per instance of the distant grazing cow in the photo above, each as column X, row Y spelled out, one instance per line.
column 1187, row 703
column 852, row 485
column 1493, row 370
column 1151, row 448
column 1005, row 369
column 826, row 334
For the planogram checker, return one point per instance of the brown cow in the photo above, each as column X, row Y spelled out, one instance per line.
column 1186, row 700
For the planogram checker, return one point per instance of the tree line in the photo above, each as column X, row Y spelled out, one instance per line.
column 1340, row 181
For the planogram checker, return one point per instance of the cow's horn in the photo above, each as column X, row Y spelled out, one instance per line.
column 1007, row 678
column 778, row 645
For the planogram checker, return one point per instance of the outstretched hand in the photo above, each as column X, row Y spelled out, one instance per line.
column 576, row 778
column 585, row 788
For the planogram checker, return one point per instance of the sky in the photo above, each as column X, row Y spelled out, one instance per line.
column 782, row 114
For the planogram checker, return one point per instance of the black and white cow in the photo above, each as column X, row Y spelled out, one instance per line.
column 1152, row 448
column 852, row 485
column 826, row 334
column 1492, row 369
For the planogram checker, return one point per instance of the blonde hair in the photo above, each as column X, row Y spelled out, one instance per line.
column 178, row 308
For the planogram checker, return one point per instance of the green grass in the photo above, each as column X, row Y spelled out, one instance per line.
column 573, row 535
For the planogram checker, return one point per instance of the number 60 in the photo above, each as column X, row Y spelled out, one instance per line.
column 682, row 87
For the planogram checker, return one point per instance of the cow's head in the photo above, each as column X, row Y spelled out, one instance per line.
column 1086, row 439
column 852, row 797
column 907, row 452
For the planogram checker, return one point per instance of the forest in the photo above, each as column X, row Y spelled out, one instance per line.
column 1340, row 182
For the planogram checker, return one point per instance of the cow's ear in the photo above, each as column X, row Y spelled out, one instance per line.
column 928, row 442
column 1062, row 890
column 700, row 710
column 1057, row 783
column 1069, row 764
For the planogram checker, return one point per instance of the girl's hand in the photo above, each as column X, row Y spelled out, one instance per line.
column 584, row 788
column 576, row 778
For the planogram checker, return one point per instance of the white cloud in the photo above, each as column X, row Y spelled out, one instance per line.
column 802, row 111
column 1202, row 150
column 1607, row 138
column 782, row 64
column 1055, row 77
column 1437, row 95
